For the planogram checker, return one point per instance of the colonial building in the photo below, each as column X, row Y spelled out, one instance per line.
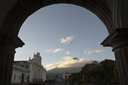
column 21, row 72
column 66, row 77
column 30, row 71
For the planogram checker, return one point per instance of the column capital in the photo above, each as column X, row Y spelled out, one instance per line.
column 117, row 39
column 10, row 42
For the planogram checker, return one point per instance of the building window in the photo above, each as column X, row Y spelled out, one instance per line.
column 14, row 76
column 65, row 76
column 68, row 76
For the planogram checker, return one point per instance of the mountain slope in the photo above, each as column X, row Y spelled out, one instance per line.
column 59, row 71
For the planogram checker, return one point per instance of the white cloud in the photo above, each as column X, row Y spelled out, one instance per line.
column 67, row 58
column 67, row 53
column 54, row 51
column 71, row 53
column 99, row 42
column 50, row 50
column 67, row 40
column 69, row 62
column 88, row 52
column 57, row 50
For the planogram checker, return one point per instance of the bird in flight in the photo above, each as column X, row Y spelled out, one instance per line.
column 71, row 42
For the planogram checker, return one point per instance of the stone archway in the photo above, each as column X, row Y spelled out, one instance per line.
column 113, row 13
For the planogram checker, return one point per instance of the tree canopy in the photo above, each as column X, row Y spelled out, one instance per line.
column 98, row 72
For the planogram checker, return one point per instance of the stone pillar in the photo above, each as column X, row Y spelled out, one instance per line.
column 8, row 44
column 118, row 39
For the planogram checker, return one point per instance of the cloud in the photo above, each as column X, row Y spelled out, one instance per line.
column 99, row 42
column 67, row 40
column 50, row 50
column 67, row 53
column 54, row 51
column 71, row 53
column 57, row 50
column 88, row 52
column 67, row 58
column 69, row 61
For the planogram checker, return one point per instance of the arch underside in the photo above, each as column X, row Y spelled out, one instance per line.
column 25, row 8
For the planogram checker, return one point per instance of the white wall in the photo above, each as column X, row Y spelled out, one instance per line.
column 31, row 72
column 34, row 68
column 18, row 76
column 68, row 74
column 41, row 74
column 44, row 75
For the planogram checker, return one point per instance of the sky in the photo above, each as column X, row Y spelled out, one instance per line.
column 61, row 32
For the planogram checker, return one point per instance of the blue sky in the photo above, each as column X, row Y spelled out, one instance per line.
column 52, row 29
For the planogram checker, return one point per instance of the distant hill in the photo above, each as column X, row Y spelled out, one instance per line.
column 59, row 71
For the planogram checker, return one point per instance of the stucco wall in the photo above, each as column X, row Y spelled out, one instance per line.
column 31, row 73
column 18, row 75
column 44, row 75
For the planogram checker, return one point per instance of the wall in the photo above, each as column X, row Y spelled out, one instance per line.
column 44, row 75
column 35, row 70
column 67, row 74
column 31, row 73
column 18, row 74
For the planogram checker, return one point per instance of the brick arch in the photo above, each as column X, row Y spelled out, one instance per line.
column 25, row 8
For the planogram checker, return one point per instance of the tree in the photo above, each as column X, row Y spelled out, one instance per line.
column 108, row 66
column 75, row 76
column 92, row 71
column 116, row 74
column 103, row 71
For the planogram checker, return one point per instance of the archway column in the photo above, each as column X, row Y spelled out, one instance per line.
column 118, row 39
column 8, row 44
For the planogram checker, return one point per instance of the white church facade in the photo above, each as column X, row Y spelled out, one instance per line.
column 30, row 71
